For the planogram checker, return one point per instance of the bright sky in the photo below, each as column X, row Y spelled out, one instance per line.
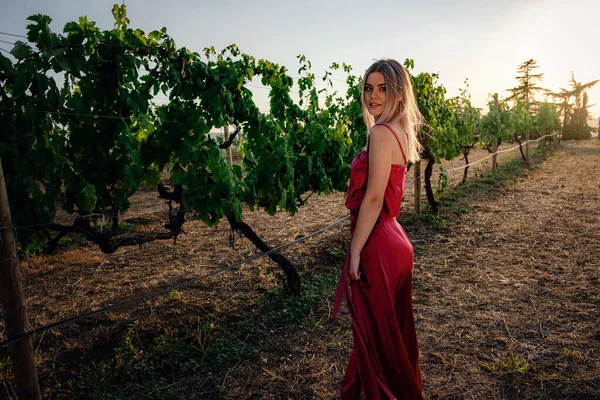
column 481, row 40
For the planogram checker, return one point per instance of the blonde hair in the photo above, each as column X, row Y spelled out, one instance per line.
column 401, row 104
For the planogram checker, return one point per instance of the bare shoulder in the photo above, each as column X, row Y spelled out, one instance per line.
column 384, row 140
column 381, row 135
column 381, row 146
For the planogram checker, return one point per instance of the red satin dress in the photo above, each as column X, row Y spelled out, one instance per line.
column 384, row 362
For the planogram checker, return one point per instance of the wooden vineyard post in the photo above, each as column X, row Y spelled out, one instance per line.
column 13, row 305
column 527, row 147
column 495, row 148
column 229, row 151
column 418, row 187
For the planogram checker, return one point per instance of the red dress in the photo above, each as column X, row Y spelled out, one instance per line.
column 384, row 362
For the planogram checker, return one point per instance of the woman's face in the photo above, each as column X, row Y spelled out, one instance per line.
column 375, row 94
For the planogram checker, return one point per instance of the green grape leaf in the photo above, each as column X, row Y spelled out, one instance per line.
column 86, row 199
column 21, row 50
column 5, row 64
column 177, row 175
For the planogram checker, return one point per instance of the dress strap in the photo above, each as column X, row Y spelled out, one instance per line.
column 397, row 138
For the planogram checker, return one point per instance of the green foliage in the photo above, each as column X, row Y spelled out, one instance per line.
column 494, row 127
column 576, row 126
column 337, row 251
column 575, row 129
column 439, row 223
column 442, row 185
column 547, row 120
column 515, row 364
column 575, row 115
column 76, row 143
column 439, row 135
column 520, row 121
column 92, row 143
column 295, row 309
column 466, row 117
column 527, row 89
column 5, row 365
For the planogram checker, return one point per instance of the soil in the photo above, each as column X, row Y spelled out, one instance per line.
column 506, row 293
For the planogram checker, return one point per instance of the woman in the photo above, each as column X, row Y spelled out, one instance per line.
column 377, row 274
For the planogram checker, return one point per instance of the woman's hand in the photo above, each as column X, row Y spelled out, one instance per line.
column 353, row 271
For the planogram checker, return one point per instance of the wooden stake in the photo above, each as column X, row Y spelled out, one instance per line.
column 13, row 305
column 527, row 147
column 417, row 168
column 495, row 147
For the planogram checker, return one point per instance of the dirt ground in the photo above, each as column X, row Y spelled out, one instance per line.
column 518, row 276
column 506, row 296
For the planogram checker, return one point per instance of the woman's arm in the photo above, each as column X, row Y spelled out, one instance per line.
column 381, row 144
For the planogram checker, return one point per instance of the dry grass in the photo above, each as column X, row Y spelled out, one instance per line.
column 518, row 277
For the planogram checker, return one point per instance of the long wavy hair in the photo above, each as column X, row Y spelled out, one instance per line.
column 401, row 104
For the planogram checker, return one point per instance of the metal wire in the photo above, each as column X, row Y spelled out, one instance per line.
column 12, row 34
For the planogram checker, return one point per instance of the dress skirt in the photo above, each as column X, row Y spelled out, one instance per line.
column 384, row 362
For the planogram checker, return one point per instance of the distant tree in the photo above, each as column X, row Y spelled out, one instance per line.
column 575, row 115
column 525, row 92
column 578, row 128
column 564, row 107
